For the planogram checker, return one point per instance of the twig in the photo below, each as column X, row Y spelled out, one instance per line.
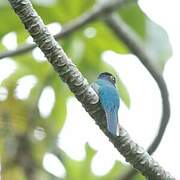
column 68, row 72
column 135, row 46
column 97, row 11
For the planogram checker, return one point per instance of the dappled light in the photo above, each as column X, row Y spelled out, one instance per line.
column 46, row 101
column 3, row 93
column 10, row 41
column 24, row 86
column 52, row 164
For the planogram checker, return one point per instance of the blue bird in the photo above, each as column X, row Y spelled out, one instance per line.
column 109, row 99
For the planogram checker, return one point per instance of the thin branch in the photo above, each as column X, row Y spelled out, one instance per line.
column 136, row 47
column 97, row 11
column 68, row 72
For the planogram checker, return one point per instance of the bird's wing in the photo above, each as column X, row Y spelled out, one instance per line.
column 109, row 99
column 95, row 86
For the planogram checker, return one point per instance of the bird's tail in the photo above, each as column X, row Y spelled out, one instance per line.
column 112, row 121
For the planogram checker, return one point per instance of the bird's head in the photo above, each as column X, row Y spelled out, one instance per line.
column 107, row 76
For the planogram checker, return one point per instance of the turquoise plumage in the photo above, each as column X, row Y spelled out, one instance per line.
column 109, row 99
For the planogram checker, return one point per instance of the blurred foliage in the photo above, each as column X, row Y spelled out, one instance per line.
column 82, row 170
column 21, row 152
column 155, row 39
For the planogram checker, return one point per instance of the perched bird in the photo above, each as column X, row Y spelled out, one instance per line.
column 109, row 99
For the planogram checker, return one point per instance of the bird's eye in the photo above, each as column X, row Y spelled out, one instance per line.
column 113, row 79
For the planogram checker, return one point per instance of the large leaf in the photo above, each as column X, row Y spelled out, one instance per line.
column 154, row 38
column 9, row 21
column 57, row 12
column 157, row 44
column 135, row 18
column 58, row 114
column 82, row 169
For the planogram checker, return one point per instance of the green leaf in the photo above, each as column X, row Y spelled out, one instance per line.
column 28, row 64
column 79, row 169
column 117, row 169
column 154, row 38
column 57, row 12
column 58, row 114
column 104, row 39
column 157, row 44
column 135, row 18
column 9, row 21
column 82, row 169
